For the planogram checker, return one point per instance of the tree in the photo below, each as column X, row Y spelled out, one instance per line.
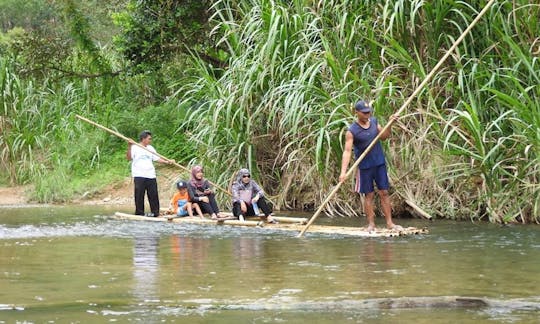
column 28, row 14
column 154, row 31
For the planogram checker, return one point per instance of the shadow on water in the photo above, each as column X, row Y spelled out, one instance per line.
column 71, row 263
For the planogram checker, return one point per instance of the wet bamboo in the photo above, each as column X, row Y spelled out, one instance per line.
column 129, row 140
column 389, row 124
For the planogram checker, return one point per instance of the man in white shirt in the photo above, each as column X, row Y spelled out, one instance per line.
column 144, row 174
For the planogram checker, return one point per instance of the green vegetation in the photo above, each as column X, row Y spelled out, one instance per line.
column 269, row 85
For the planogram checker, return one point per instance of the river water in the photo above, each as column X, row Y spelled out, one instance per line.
column 74, row 264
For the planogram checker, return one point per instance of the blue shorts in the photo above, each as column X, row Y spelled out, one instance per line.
column 182, row 212
column 366, row 177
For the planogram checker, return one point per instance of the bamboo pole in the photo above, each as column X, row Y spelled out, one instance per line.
column 405, row 104
column 129, row 140
column 417, row 209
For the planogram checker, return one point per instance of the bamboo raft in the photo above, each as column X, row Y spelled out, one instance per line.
column 291, row 224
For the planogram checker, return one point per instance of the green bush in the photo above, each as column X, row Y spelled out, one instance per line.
column 282, row 105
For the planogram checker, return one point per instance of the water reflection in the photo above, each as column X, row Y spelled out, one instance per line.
column 378, row 270
column 146, row 268
column 376, row 252
column 248, row 252
column 189, row 253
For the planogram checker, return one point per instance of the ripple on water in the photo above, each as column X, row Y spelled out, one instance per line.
column 493, row 308
column 305, row 264
column 288, row 291
column 513, row 310
column 113, row 228
column 104, row 226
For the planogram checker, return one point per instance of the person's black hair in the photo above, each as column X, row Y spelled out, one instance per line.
column 144, row 134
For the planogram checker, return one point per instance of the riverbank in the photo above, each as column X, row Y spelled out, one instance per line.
column 120, row 193
column 115, row 193
column 13, row 195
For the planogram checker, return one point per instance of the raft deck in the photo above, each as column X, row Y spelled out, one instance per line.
column 283, row 225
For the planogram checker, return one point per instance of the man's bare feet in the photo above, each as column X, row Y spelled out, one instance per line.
column 395, row 227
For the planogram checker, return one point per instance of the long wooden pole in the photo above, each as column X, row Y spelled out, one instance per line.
column 129, row 140
column 405, row 104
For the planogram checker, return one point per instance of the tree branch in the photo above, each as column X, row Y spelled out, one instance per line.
column 212, row 60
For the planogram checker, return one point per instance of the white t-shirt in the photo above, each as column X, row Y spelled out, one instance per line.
column 142, row 162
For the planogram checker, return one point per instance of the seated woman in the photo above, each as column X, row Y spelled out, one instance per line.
column 248, row 197
column 200, row 192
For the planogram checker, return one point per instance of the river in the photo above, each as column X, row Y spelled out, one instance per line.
column 75, row 264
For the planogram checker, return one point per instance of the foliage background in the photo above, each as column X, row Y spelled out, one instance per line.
column 269, row 85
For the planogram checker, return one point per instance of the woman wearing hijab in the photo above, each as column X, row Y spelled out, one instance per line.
column 200, row 192
column 248, row 197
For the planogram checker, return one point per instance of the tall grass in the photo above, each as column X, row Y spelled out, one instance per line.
column 41, row 143
column 468, row 147
column 260, row 105
column 20, row 145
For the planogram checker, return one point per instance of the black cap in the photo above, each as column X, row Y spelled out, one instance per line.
column 181, row 184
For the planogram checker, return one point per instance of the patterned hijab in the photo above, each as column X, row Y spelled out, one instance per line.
column 241, row 174
column 194, row 181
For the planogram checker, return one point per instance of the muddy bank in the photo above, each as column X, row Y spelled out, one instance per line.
column 13, row 195
column 117, row 193
column 120, row 193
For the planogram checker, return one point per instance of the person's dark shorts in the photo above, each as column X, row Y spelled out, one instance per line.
column 366, row 177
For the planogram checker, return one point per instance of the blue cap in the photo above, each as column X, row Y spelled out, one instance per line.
column 362, row 106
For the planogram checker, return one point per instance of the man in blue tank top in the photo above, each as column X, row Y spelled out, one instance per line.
column 373, row 167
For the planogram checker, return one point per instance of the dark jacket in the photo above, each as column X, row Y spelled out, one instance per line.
column 195, row 193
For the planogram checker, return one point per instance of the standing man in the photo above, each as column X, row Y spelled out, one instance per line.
column 373, row 167
column 144, row 173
